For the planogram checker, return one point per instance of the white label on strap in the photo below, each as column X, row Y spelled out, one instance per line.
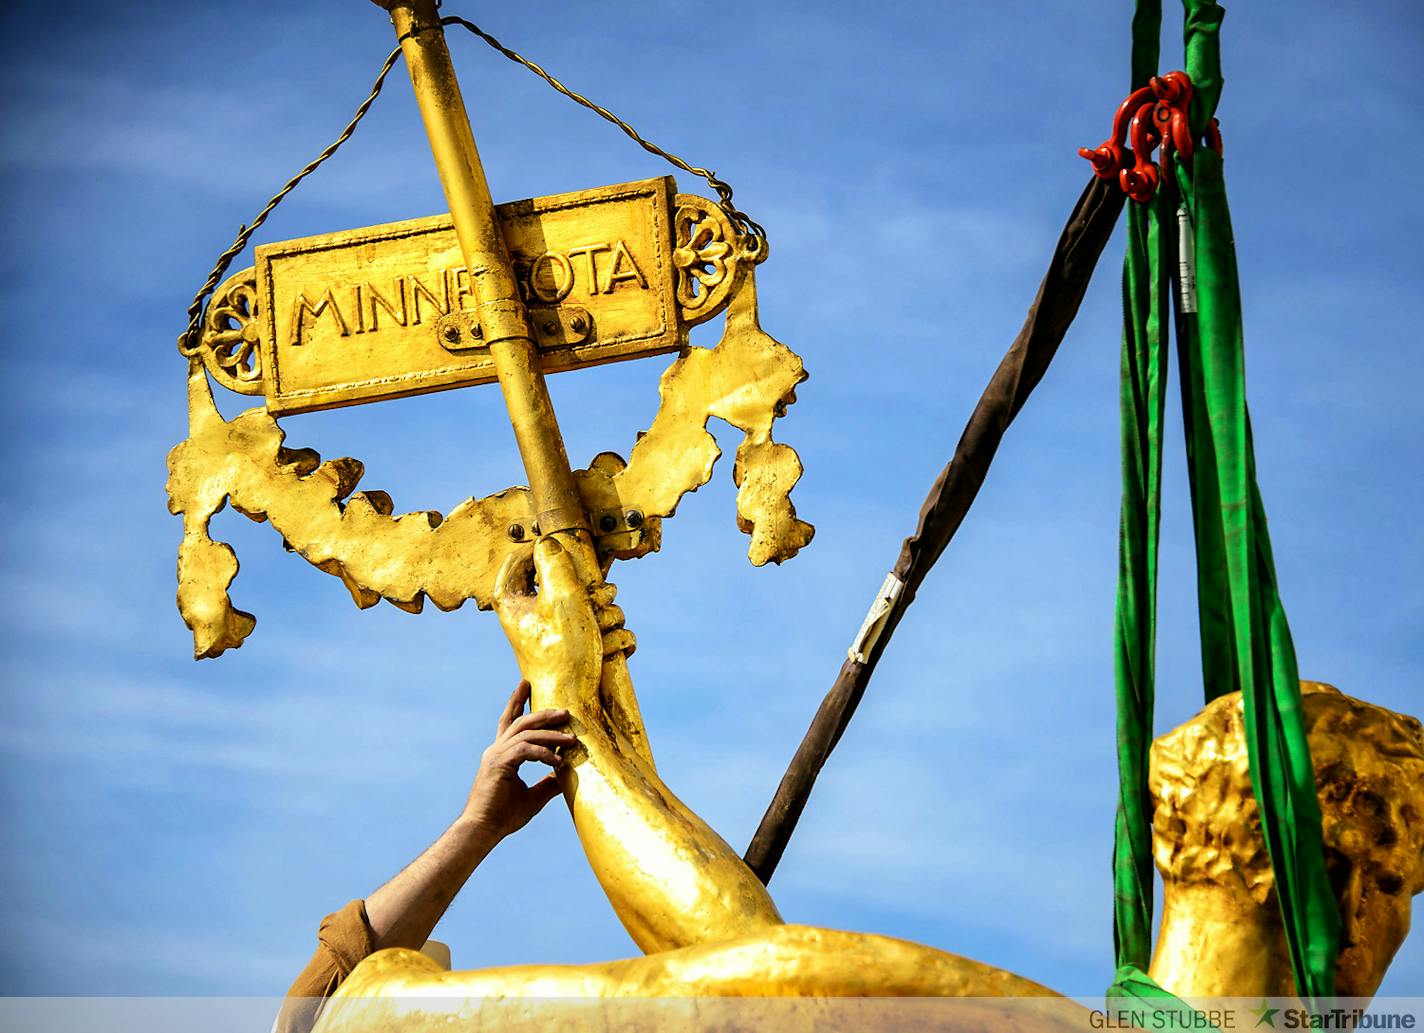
column 875, row 618
column 1186, row 261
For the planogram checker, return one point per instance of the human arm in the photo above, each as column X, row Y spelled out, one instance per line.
column 672, row 880
column 405, row 909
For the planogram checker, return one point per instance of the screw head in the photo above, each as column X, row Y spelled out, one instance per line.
column 451, row 333
column 607, row 522
column 579, row 324
column 551, row 327
column 634, row 518
column 516, row 532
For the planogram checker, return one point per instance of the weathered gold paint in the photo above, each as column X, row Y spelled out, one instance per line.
column 783, row 960
column 382, row 312
column 672, row 881
column 558, row 507
column 356, row 316
column 1221, row 933
column 747, row 379
column 498, row 305
column 1221, row 927
column 725, row 988
column 709, row 925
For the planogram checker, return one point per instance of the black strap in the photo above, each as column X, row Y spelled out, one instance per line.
column 949, row 499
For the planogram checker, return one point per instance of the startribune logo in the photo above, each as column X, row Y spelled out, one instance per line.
column 1265, row 1015
column 1331, row 1018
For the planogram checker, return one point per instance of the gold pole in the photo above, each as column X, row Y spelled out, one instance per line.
column 504, row 321
column 500, row 310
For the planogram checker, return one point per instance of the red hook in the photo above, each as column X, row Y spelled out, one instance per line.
column 1151, row 115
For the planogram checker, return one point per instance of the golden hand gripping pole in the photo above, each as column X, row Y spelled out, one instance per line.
column 724, row 899
column 503, row 320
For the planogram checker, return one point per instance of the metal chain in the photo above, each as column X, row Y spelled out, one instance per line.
column 752, row 228
column 188, row 340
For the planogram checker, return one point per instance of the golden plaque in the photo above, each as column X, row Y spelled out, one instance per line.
column 385, row 311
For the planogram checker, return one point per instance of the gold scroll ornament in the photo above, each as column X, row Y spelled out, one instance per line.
column 608, row 274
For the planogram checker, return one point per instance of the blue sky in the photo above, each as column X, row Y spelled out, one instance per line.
column 180, row 828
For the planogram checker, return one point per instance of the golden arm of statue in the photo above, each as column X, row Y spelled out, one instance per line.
column 709, row 926
column 671, row 879
column 654, row 858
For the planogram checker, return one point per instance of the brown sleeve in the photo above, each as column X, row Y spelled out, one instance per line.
column 344, row 938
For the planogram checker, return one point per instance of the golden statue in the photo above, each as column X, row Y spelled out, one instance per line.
column 1221, row 925
column 507, row 294
column 710, row 928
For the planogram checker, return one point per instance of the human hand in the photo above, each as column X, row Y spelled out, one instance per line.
column 501, row 802
column 554, row 633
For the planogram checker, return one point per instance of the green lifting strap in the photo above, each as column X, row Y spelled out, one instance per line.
column 1145, row 317
column 1144, row 379
column 1246, row 642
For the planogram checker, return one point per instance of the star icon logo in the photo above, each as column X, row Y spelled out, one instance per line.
column 1265, row 1015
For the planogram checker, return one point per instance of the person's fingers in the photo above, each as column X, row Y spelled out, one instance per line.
column 538, row 719
column 514, row 585
column 523, row 751
column 558, row 578
column 546, row 737
column 542, row 791
column 513, row 708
